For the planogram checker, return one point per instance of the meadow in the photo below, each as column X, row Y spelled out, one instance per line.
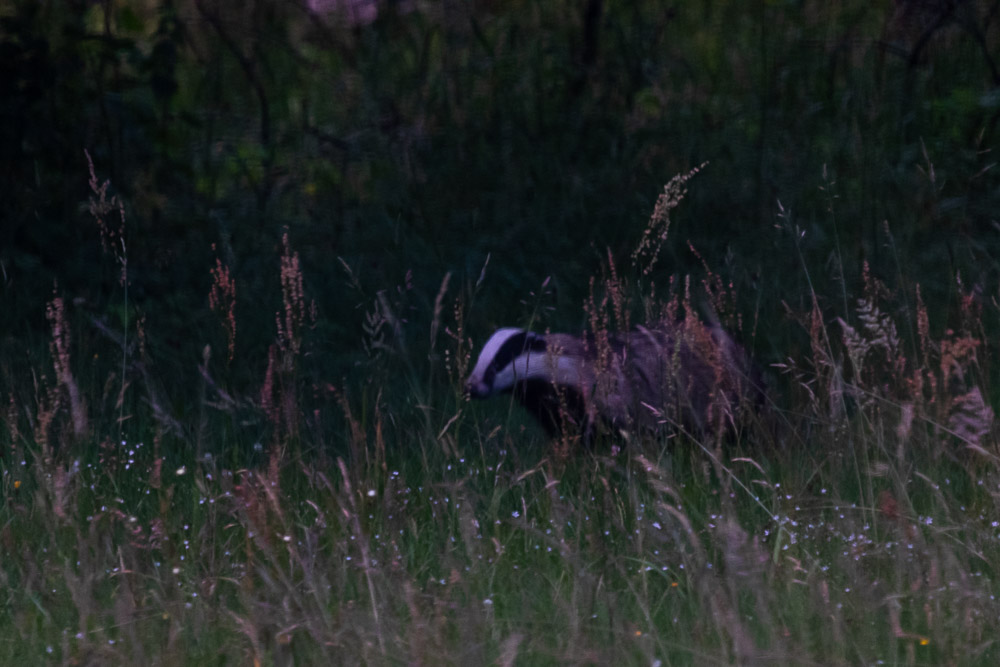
column 851, row 520
column 250, row 252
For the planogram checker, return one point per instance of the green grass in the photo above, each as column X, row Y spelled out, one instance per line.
column 848, row 546
column 385, row 519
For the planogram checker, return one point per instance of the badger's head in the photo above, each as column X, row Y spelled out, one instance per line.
column 513, row 357
column 548, row 374
column 509, row 356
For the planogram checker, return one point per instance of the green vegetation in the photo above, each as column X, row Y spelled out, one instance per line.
column 248, row 254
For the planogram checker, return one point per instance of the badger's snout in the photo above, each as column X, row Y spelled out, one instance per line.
column 476, row 388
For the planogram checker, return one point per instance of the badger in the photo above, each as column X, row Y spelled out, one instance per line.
column 686, row 377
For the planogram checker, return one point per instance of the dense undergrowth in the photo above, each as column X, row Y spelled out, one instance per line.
column 389, row 520
column 535, row 134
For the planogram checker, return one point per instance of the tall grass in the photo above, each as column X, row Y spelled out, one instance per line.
column 383, row 519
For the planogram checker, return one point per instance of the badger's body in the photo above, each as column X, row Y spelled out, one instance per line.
column 687, row 376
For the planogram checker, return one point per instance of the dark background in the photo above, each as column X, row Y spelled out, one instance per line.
column 406, row 140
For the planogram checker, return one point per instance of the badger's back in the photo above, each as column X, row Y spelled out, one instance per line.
column 693, row 376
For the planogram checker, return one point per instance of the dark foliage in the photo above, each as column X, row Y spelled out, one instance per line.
column 423, row 138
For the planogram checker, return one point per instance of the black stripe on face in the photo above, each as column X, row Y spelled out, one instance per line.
column 513, row 347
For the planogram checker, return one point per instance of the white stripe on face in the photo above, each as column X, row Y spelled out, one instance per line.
column 553, row 368
column 480, row 383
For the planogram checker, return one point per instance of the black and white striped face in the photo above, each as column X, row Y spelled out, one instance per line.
column 509, row 356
